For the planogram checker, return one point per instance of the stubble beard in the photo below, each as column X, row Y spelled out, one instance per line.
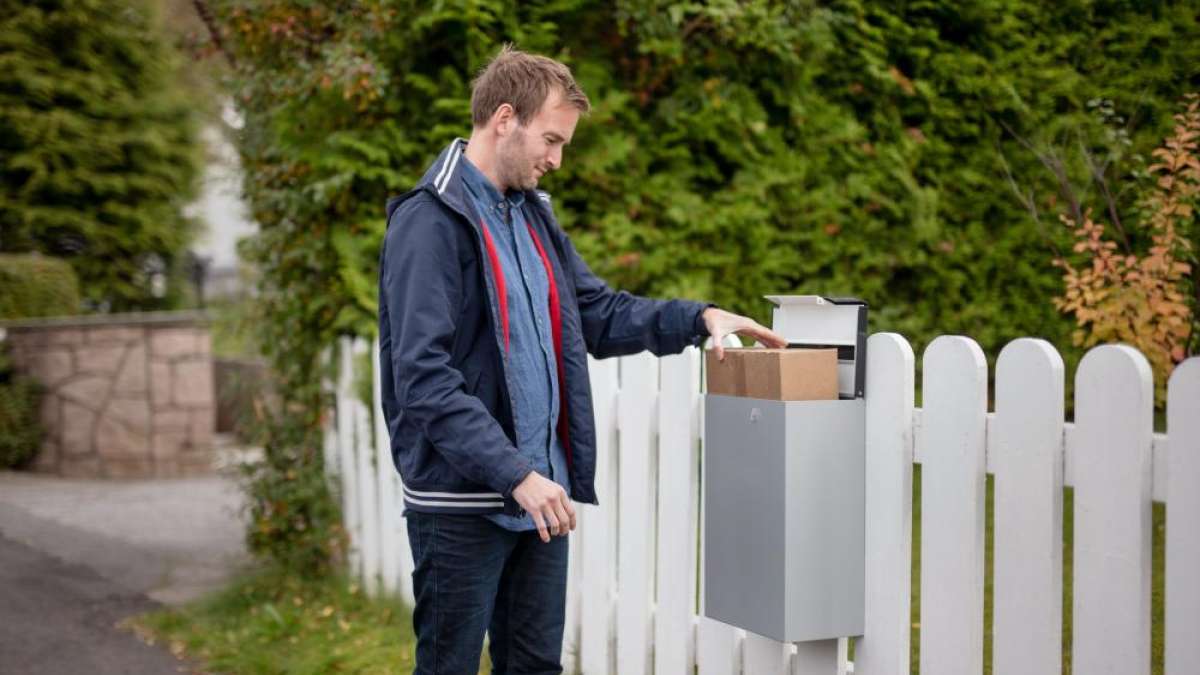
column 515, row 170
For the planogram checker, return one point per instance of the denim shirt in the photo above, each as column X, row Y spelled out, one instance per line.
column 531, row 357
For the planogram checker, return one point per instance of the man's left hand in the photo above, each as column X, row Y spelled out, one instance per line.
column 721, row 323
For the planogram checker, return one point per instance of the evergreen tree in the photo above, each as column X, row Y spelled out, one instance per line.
column 98, row 150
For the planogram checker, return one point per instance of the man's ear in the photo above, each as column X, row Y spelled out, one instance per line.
column 504, row 119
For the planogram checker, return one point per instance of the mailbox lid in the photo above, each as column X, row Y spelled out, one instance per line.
column 817, row 321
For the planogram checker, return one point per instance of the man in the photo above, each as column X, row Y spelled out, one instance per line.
column 486, row 317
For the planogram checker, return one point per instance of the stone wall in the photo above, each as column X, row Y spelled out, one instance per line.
column 125, row 395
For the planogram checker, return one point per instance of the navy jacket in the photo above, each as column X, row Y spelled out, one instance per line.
column 442, row 335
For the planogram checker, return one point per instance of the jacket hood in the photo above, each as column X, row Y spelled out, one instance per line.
column 440, row 178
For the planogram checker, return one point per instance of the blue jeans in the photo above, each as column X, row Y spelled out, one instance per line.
column 472, row 576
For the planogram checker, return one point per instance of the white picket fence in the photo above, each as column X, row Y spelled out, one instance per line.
column 632, row 604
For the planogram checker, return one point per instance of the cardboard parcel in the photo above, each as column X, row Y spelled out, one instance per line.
column 776, row 374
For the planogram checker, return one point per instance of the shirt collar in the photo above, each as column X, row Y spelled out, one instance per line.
column 485, row 191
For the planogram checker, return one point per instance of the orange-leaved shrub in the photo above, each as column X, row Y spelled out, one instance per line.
column 1142, row 298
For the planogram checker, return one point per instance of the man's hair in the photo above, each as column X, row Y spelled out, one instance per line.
column 523, row 81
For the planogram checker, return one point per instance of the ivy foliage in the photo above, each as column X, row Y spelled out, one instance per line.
column 909, row 153
column 98, row 151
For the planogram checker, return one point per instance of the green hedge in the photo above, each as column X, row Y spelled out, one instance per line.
column 37, row 285
column 20, row 431
column 735, row 149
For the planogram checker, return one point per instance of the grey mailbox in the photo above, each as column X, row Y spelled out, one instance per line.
column 784, row 491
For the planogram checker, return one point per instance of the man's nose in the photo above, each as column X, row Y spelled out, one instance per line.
column 555, row 158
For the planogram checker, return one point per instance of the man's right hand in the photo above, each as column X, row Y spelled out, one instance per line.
column 547, row 503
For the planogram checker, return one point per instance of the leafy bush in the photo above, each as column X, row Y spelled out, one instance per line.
column 1119, row 291
column 20, row 430
column 36, row 285
column 294, row 520
column 99, row 151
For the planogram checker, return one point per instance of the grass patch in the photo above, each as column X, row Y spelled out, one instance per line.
column 272, row 622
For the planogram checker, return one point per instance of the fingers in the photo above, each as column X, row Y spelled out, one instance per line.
column 764, row 335
column 552, row 521
column 541, row 526
column 718, row 347
column 570, row 511
column 560, row 513
column 562, row 519
column 548, row 506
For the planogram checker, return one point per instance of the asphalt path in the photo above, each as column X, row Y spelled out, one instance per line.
column 79, row 557
column 59, row 617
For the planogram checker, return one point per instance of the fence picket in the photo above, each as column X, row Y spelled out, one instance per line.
column 1183, row 520
column 389, row 516
column 597, row 529
column 404, row 548
column 329, row 444
column 635, row 547
column 1028, row 460
column 364, row 443
column 764, row 656
column 952, row 507
column 718, row 648
column 572, row 619
column 884, row 647
column 819, row 657
column 347, row 463
column 1114, row 400
column 679, row 433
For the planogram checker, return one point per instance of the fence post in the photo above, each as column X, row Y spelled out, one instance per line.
column 718, row 645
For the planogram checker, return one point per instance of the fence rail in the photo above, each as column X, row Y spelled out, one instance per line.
column 633, row 601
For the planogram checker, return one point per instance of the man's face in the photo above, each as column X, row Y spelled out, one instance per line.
column 528, row 152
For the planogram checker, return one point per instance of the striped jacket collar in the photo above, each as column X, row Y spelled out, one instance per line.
column 444, row 179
